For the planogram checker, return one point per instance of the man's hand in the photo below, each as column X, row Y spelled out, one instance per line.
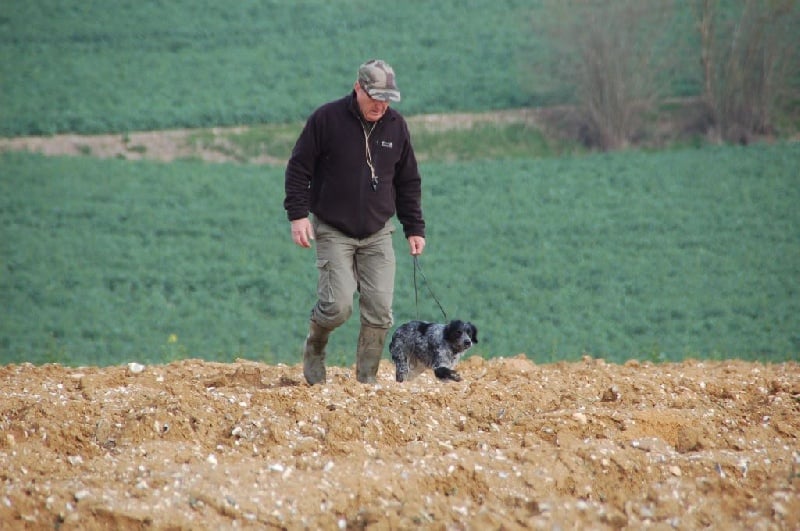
column 416, row 244
column 302, row 232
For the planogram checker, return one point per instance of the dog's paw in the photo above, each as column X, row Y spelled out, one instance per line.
column 445, row 373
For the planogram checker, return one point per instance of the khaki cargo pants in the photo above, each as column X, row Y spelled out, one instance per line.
column 347, row 265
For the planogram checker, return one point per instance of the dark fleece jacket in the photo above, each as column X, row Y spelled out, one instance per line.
column 328, row 174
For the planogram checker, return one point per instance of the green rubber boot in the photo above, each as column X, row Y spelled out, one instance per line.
column 368, row 355
column 314, row 353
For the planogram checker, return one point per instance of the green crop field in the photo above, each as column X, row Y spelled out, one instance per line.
column 93, row 66
column 682, row 253
column 692, row 253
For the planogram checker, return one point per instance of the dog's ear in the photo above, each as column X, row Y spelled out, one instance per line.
column 473, row 332
column 453, row 330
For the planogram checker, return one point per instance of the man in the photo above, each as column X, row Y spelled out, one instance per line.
column 353, row 168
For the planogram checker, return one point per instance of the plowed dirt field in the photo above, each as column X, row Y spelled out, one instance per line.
column 583, row 445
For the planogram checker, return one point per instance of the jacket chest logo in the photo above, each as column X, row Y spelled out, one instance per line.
column 386, row 144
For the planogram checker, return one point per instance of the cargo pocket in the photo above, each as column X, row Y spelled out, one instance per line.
column 324, row 287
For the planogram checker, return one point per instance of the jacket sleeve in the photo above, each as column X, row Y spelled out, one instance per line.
column 300, row 170
column 408, row 189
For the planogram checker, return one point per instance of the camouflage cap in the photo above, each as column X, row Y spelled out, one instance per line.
column 376, row 77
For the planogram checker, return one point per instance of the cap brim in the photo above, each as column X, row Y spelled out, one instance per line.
column 384, row 95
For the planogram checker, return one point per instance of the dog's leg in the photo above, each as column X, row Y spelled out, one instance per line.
column 401, row 365
column 445, row 373
column 401, row 371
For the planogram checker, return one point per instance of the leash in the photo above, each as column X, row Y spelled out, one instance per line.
column 417, row 267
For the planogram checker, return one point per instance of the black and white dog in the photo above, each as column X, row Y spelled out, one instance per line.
column 419, row 345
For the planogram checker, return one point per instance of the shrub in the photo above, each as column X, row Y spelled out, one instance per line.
column 608, row 50
column 749, row 59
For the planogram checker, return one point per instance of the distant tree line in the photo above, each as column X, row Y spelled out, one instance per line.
column 618, row 55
